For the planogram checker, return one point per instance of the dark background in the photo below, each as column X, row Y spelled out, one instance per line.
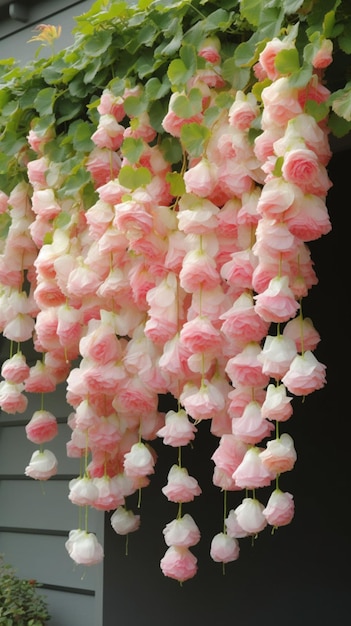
column 300, row 574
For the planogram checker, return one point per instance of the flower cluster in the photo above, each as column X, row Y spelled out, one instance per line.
column 185, row 280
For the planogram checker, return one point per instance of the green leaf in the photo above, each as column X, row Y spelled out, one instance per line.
column 74, row 183
column 302, row 77
column 69, row 109
column 176, row 181
column 292, row 6
column 171, row 149
column 97, row 44
column 62, row 219
column 5, row 222
column 135, row 105
column 218, row 20
column 211, row 115
column 251, row 10
column 277, row 171
column 81, row 136
column 318, row 110
column 132, row 149
column 45, row 100
column 170, row 47
column 154, row 89
column 157, row 112
column 133, row 178
column 341, row 102
column 193, row 137
column 188, row 54
column 344, row 40
column 178, row 74
column 339, row 126
column 287, row 61
column 186, row 107
column 237, row 77
column 245, row 53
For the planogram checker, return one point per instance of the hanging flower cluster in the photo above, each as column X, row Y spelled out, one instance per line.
column 184, row 277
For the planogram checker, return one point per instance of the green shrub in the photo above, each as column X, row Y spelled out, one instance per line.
column 20, row 602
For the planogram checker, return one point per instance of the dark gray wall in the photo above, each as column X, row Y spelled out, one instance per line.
column 35, row 518
column 300, row 575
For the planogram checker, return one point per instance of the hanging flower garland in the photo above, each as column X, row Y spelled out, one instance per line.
column 172, row 259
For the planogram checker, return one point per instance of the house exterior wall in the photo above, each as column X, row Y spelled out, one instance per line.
column 35, row 517
column 294, row 577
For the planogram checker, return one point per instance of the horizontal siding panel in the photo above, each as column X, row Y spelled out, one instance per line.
column 45, row 559
column 33, row 504
column 16, row 450
column 70, row 609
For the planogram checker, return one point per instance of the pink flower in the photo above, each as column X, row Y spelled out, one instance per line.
column 15, row 369
column 105, row 433
column 178, row 429
column 241, row 321
column 239, row 269
column 277, row 405
column 42, row 465
column 281, row 104
column 301, row 167
column 209, row 49
column 45, row 204
column 179, row 563
column 268, row 55
column 124, row 521
column 277, row 303
column 305, row 375
column 42, row 427
column 20, row 328
column 182, row 532
column 83, row 491
column 84, row 548
column 111, row 104
column 245, row 369
column 100, row 342
column 200, row 335
column 103, row 165
column 279, row 510
column 233, row 527
column 279, row 455
column 180, row 486
column 224, row 548
column 139, row 461
column 110, row 494
column 198, row 270
column 311, row 220
column 250, row 516
column 243, row 111
column 40, row 379
column 200, row 179
column 12, row 400
column 204, row 401
column 303, row 332
column 197, row 214
column 251, row 427
column 277, row 355
column 252, row 473
column 109, row 134
column 229, row 453
column 324, row 55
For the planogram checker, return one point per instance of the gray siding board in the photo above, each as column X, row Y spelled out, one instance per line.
column 44, row 558
column 71, row 609
column 16, row 451
column 68, row 609
column 49, row 498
